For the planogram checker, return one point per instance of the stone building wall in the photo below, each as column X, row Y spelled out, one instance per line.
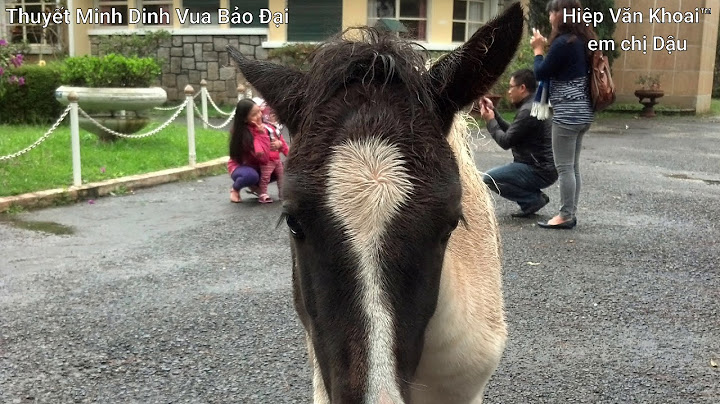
column 187, row 59
column 686, row 76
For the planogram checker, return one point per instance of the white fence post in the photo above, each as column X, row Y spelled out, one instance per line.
column 190, row 124
column 203, row 97
column 241, row 91
column 75, row 138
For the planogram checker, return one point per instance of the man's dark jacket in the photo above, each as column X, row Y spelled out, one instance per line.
column 529, row 138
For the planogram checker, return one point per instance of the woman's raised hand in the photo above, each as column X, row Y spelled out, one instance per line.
column 537, row 42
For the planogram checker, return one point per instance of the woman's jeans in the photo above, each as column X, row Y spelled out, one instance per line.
column 567, row 143
column 245, row 176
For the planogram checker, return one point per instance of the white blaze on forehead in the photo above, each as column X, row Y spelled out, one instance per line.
column 367, row 186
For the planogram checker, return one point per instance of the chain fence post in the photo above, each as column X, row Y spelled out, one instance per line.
column 75, row 138
column 241, row 91
column 203, row 98
column 190, row 124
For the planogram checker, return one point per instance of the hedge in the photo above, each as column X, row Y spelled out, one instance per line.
column 111, row 70
column 34, row 102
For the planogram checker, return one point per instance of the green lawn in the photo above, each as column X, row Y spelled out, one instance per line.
column 714, row 107
column 50, row 164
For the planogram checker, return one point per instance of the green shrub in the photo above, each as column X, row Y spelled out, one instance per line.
column 294, row 55
column 523, row 59
column 111, row 70
column 436, row 55
column 145, row 45
column 34, row 102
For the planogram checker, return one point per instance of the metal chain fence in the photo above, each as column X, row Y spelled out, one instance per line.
column 224, row 124
column 216, row 107
column 42, row 139
column 142, row 135
column 177, row 106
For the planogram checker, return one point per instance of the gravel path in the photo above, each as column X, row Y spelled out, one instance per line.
column 174, row 295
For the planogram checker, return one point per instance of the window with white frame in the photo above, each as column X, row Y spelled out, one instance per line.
column 150, row 16
column 468, row 16
column 198, row 9
column 156, row 12
column 411, row 13
column 111, row 12
column 32, row 34
column 252, row 6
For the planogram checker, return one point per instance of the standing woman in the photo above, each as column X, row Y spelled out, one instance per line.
column 566, row 69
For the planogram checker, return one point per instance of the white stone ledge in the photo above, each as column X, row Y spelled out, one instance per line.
column 180, row 31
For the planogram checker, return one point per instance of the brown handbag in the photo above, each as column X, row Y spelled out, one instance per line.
column 602, row 88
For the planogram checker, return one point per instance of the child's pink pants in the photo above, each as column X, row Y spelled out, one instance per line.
column 266, row 171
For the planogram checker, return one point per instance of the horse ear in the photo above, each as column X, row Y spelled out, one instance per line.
column 278, row 85
column 469, row 71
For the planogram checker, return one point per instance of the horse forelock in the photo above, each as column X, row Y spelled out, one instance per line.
column 374, row 60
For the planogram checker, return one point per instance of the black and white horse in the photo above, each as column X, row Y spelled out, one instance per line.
column 395, row 252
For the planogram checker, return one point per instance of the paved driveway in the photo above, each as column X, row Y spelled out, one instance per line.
column 174, row 295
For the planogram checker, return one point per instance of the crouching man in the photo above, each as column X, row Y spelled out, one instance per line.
column 530, row 140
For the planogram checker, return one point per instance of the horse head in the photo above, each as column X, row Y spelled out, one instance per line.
column 372, row 195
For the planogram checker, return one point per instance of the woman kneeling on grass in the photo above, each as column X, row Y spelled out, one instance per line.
column 255, row 148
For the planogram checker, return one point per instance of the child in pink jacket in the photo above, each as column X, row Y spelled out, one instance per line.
column 269, row 159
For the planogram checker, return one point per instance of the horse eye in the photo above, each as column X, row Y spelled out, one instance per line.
column 454, row 226
column 294, row 226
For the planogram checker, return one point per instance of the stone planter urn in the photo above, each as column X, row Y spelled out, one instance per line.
column 651, row 94
column 120, row 109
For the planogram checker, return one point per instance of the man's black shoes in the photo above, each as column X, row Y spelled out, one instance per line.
column 533, row 208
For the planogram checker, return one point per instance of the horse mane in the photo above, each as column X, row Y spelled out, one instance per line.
column 372, row 60
column 476, row 200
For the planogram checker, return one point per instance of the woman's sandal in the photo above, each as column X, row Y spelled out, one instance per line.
column 265, row 198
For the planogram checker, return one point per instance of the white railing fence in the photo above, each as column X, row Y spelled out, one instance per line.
column 188, row 105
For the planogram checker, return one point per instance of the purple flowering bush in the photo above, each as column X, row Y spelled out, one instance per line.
column 10, row 58
column 27, row 90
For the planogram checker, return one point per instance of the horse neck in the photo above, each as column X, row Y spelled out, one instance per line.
column 465, row 338
column 470, row 284
column 481, row 230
